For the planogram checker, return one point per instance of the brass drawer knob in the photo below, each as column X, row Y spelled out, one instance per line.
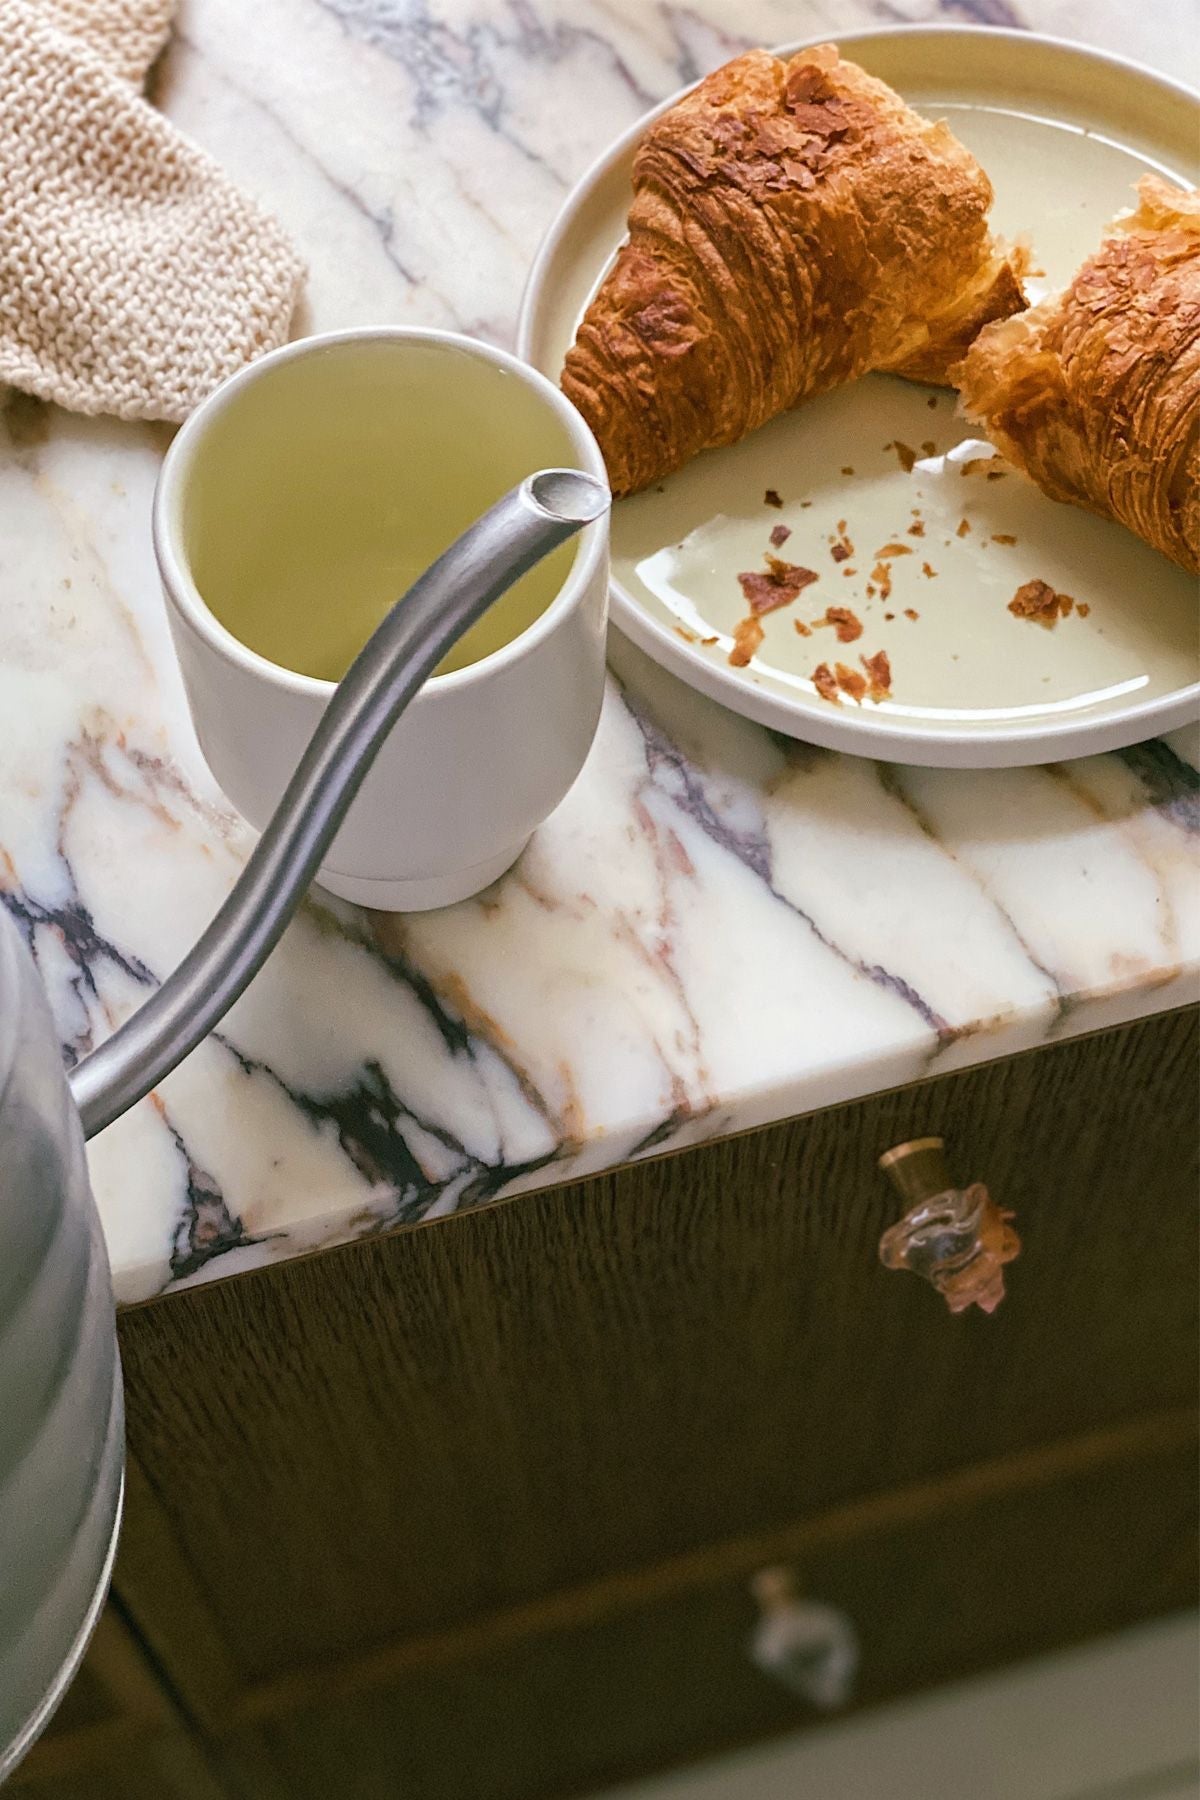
column 958, row 1239
column 808, row 1646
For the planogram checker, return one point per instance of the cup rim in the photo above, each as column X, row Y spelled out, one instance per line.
column 166, row 512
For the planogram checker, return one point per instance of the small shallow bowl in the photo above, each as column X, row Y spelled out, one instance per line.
column 1064, row 133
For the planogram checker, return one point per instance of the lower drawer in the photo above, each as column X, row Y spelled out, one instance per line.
column 1001, row 1561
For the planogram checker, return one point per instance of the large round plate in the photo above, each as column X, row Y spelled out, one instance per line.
column 1064, row 133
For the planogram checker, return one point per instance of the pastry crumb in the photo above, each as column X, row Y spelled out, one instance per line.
column 917, row 528
column 881, row 574
column 964, row 525
column 689, row 637
column 910, row 612
column 1003, row 537
column 780, row 534
column 850, row 681
column 778, row 587
column 747, row 637
column 1038, row 601
column 928, row 571
column 996, row 474
column 771, row 498
column 1083, row 609
column 906, row 454
column 895, row 550
column 802, row 629
column 826, row 684
column 931, row 403
column 846, row 623
column 879, row 674
column 847, row 471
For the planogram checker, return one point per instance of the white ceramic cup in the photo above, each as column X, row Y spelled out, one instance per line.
column 483, row 754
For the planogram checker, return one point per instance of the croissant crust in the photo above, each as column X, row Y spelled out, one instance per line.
column 794, row 225
column 1095, row 393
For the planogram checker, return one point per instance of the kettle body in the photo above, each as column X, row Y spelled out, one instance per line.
column 61, row 1411
column 61, row 1416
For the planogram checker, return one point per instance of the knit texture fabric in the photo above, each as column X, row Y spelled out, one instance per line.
column 133, row 275
column 127, row 34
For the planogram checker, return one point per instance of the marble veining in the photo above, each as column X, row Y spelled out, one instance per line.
column 718, row 928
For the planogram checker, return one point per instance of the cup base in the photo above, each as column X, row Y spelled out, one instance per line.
column 425, row 892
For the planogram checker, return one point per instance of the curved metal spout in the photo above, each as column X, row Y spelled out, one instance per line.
column 516, row 533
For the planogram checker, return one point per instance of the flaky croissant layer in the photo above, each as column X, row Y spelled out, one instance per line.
column 794, row 225
column 1096, row 392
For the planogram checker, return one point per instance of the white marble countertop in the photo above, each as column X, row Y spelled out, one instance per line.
column 717, row 929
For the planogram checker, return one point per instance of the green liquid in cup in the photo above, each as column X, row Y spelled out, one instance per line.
column 329, row 484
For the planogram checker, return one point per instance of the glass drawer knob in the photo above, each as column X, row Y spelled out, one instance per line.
column 958, row 1239
column 808, row 1646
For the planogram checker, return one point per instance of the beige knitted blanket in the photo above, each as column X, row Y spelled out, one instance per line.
column 133, row 275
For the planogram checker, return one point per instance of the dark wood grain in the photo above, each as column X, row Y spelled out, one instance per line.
column 941, row 1596
column 412, row 1433
column 920, row 1504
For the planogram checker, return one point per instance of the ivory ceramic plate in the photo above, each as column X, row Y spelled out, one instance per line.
column 1064, row 134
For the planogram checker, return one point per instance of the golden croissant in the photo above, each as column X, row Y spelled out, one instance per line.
column 794, row 225
column 1096, row 392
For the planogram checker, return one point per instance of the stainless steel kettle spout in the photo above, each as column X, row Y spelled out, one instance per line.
column 522, row 528
column 61, row 1422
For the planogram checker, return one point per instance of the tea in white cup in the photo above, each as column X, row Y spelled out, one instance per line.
column 297, row 504
column 328, row 485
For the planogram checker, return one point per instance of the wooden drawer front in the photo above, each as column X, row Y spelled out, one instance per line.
column 962, row 1583
column 407, row 1433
